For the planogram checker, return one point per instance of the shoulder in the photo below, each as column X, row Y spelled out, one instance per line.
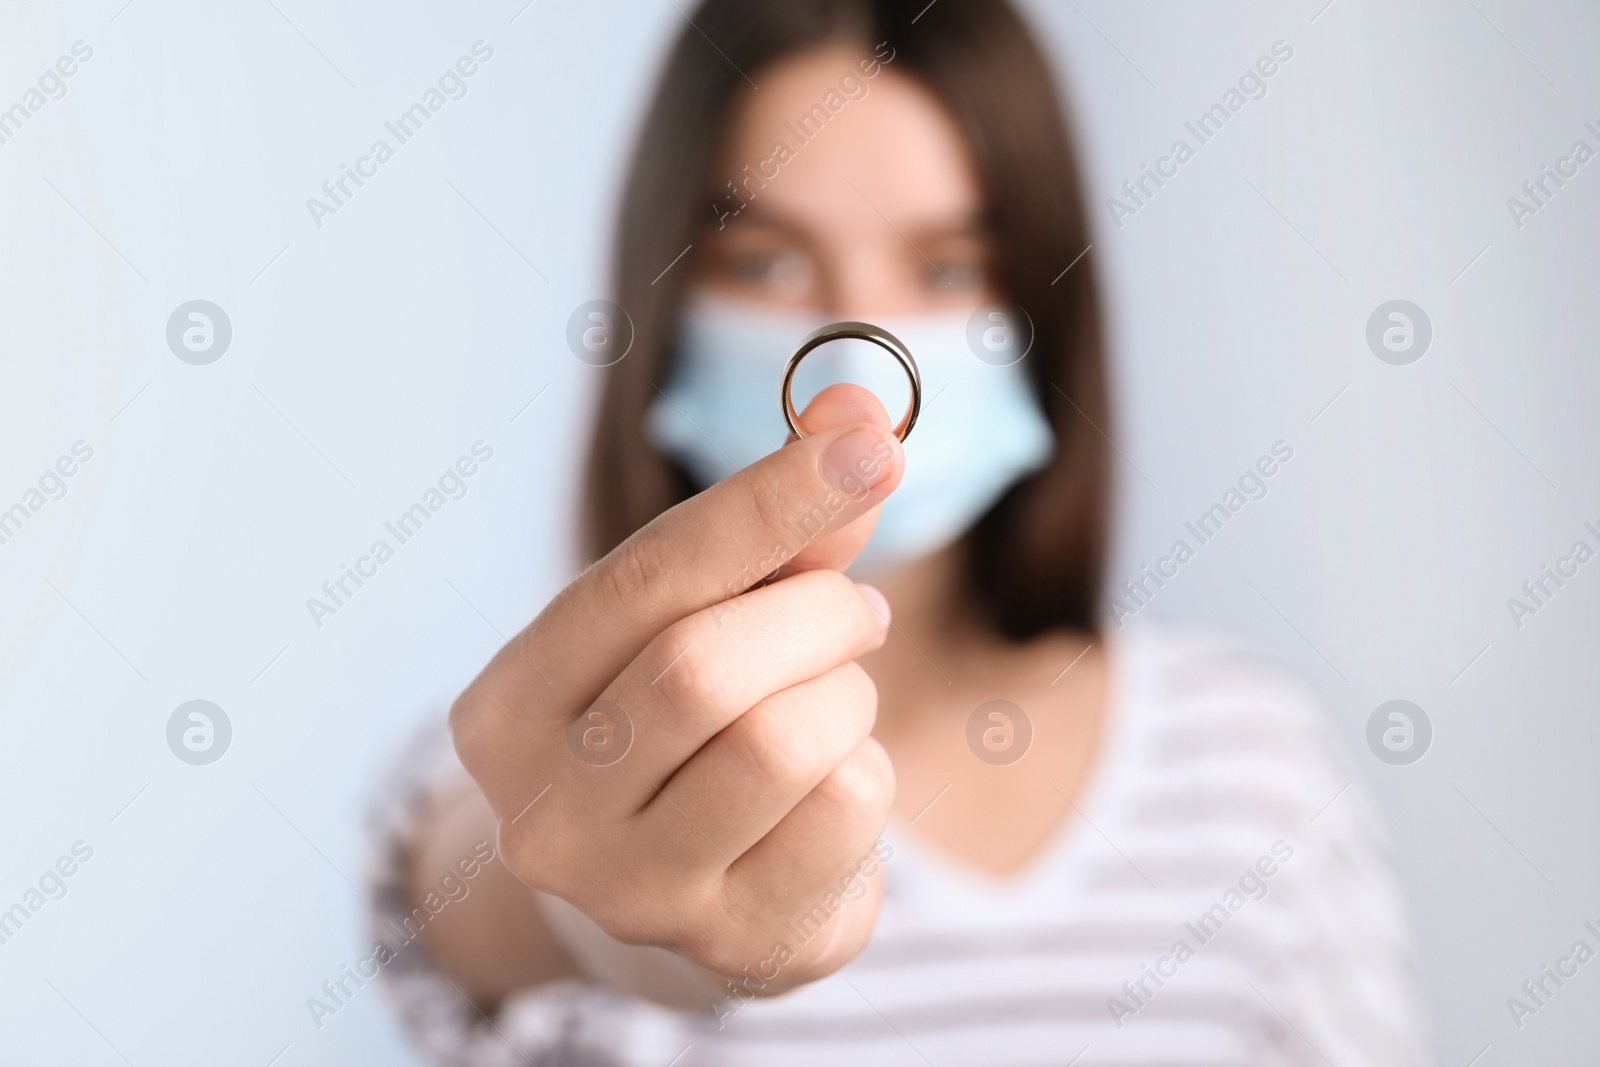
column 1227, row 725
column 1222, row 695
column 1233, row 768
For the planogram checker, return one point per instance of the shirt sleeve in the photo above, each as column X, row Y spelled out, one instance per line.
column 552, row 1025
column 1345, row 983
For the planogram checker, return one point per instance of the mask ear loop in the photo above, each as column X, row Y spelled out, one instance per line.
column 862, row 331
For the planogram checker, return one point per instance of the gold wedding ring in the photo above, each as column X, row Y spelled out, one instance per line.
column 862, row 331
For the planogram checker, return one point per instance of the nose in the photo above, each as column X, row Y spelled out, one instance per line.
column 867, row 278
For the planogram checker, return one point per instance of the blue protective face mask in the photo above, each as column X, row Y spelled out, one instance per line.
column 979, row 432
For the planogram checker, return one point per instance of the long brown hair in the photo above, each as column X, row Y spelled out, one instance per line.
column 1034, row 561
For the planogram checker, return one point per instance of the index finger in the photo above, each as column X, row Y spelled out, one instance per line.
column 708, row 549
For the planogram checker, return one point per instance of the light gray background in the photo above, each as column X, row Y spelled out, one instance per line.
column 369, row 354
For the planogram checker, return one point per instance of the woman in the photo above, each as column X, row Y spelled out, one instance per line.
column 751, row 810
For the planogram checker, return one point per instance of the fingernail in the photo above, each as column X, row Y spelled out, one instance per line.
column 857, row 461
column 877, row 602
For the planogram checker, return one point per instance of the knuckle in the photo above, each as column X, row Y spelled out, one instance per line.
column 534, row 864
column 697, row 685
column 675, row 849
column 697, row 630
column 768, row 749
column 536, row 843
column 721, row 951
column 859, row 693
column 638, row 575
column 470, row 731
column 766, row 491
column 554, row 857
column 774, row 744
column 633, row 918
column 861, row 789
column 627, row 924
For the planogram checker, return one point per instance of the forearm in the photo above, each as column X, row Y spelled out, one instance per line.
column 494, row 940
column 500, row 937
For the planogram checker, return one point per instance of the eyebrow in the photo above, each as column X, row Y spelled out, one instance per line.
column 759, row 215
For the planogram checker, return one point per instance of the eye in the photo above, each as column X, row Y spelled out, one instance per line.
column 778, row 269
column 957, row 273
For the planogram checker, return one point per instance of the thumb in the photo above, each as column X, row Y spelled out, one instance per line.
column 839, row 405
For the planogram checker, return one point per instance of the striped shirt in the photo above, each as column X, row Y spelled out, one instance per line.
column 1220, row 896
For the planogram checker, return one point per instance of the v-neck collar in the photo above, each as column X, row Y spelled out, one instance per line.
column 1099, row 805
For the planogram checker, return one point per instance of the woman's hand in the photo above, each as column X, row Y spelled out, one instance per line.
column 688, row 759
